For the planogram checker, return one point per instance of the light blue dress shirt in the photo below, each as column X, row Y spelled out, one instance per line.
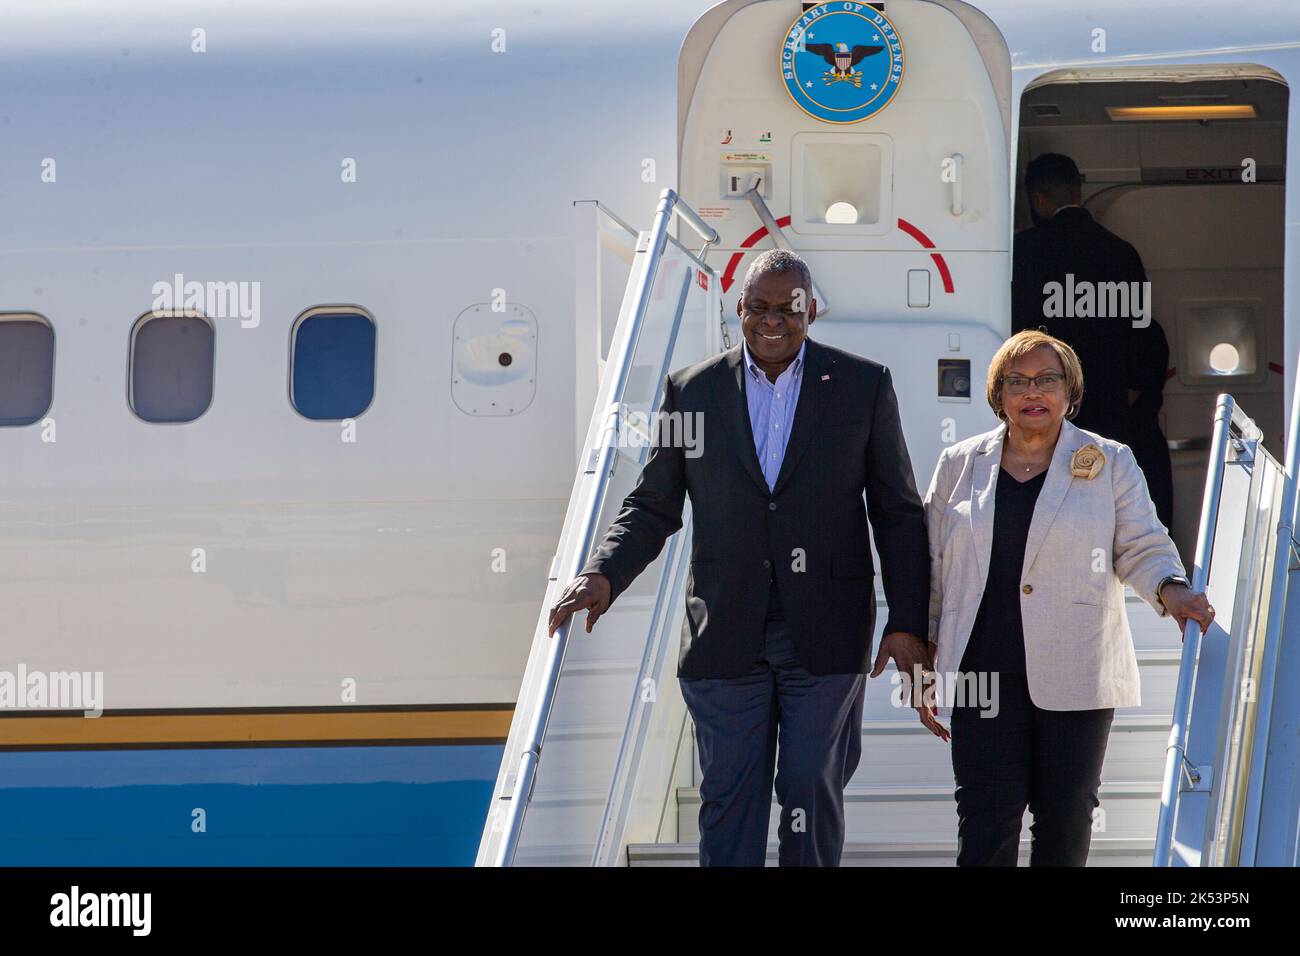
column 771, row 410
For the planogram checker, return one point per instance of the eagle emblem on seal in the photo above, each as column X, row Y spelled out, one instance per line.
column 842, row 60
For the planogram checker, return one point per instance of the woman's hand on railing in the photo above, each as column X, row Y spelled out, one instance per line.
column 590, row 591
column 1185, row 605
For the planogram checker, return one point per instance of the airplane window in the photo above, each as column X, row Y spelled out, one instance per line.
column 1225, row 358
column 842, row 212
column 332, row 372
column 26, row 369
column 171, row 367
column 1220, row 339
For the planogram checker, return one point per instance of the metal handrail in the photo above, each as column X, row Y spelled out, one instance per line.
column 600, row 464
column 1226, row 415
column 671, row 583
column 691, row 218
column 1282, row 561
column 611, row 216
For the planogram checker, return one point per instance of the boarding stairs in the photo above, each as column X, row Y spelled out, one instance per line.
column 600, row 767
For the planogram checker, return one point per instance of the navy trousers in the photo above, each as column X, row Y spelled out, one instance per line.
column 779, row 719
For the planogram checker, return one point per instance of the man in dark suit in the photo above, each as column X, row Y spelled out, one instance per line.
column 1124, row 356
column 780, row 604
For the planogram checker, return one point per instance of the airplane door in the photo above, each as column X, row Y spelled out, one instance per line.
column 872, row 139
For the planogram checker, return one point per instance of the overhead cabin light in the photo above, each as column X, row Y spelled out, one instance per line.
column 1144, row 114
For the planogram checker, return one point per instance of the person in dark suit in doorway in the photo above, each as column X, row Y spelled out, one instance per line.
column 780, row 603
column 1125, row 356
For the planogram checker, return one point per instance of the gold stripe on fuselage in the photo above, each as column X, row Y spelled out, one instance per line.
column 472, row 723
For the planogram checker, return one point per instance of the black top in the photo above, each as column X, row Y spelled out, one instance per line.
column 997, row 642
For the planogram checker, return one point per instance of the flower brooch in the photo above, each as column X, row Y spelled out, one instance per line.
column 1087, row 462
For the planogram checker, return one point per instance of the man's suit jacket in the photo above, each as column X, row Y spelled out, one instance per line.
column 811, row 530
column 1078, row 647
column 1115, row 356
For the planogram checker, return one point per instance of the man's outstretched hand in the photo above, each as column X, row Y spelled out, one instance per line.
column 590, row 591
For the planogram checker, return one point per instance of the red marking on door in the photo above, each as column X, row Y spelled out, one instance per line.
column 937, row 257
column 729, row 274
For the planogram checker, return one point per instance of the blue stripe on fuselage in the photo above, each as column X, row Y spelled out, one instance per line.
column 290, row 806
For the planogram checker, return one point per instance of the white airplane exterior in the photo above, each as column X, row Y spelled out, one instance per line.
column 300, row 333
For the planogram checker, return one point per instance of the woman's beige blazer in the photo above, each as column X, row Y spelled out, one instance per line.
column 1087, row 539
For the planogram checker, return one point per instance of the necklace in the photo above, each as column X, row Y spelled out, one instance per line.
column 1010, row 451
column 1030, row 467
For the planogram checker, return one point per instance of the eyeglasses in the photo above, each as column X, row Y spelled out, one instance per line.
column 1047, row 382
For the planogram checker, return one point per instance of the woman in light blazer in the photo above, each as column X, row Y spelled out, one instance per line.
column 1035, row 528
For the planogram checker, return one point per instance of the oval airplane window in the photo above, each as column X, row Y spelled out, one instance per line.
column 171, row 367
column 332, row 356
column 26, row 369
column 842, row 212
column 1224, row 358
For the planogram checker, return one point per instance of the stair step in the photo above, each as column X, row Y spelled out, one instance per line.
column 1105, row 851
column 901, row 752
column 1157, row 670
column 916, row 813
